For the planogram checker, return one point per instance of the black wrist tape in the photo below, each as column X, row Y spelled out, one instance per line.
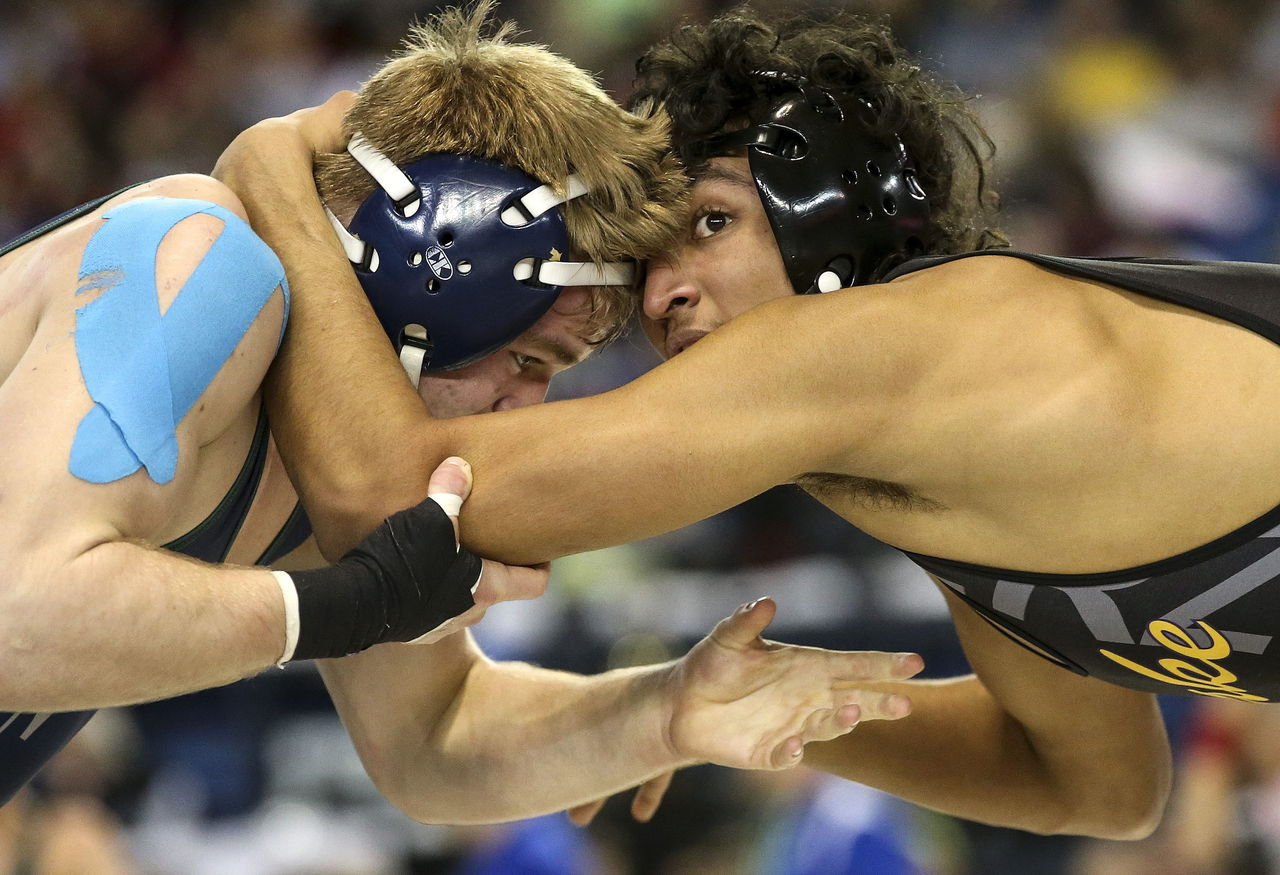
column 402, row 581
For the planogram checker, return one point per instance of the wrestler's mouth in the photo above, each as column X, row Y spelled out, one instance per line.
column 683, row 338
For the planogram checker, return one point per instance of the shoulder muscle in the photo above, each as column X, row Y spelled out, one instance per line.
column 156, row 335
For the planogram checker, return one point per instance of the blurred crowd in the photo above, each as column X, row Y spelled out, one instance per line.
column 1124, row 127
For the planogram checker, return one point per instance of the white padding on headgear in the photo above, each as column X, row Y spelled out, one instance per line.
column 829, row 281
column 412, row 357
column 384, row 172
column 352, row 245
column 541, row 199
column 578, row 273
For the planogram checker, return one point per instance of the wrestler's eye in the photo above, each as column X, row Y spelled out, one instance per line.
column 525, row 362
column 709, row 221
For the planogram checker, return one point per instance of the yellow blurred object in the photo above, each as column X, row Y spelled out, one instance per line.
column 1102, row 80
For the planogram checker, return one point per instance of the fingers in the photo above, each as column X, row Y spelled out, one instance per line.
column 498, row 583
column 449, row 486
column 644, row 805
column 582, row 815
column 744, row 626
column 857, row 667
column 504, row 583
column 822, row 725
column 649, row 797
column 338, row 104
column 880, row 706
column 464, row 620
column 322, row 125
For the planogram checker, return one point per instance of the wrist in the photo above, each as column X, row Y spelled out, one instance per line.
column 289, row 593
column 666, row 683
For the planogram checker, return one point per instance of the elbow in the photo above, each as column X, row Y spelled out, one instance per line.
column 430, row 805
column 343, row 513
column 1141, row 811
column 1121, row 807
column 401, row 783
column 418, row 807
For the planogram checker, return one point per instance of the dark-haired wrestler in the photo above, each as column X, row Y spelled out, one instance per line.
column 1084, row 453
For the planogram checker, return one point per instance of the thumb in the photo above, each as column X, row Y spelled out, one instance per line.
column 449, row 486
column 746, row 624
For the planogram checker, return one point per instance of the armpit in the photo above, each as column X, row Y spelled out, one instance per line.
column 875, row 494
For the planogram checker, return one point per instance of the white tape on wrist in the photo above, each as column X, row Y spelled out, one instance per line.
column 450, row 503
column 292, row 622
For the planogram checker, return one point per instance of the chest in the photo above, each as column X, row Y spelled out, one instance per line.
column 1170, row 442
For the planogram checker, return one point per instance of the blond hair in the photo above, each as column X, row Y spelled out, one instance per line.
column 455, row 89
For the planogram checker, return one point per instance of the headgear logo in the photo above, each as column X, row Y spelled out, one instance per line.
column 439, row 263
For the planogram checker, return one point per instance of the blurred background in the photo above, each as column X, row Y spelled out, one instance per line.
column 1146, row 127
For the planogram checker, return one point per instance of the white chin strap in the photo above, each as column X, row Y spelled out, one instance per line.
column 404, row 192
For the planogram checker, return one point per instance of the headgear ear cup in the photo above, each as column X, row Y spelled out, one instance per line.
column 844, row 203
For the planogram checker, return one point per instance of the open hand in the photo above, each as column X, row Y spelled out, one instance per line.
column 740, row 700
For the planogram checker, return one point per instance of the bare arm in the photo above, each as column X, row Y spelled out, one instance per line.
column 449, row 735
column 732, row 417
column 468, row 740
column 1009, row 746
column 89, row 616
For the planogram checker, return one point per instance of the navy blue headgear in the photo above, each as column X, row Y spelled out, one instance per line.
column 460, row 255
column 844, row 205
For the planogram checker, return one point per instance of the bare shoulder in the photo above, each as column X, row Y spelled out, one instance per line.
column 186, row 186
column 49, row 263
column 968, row 355
column 160, row 313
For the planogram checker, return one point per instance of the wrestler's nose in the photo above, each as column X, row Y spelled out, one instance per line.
column 667, row 289
column 523, row 392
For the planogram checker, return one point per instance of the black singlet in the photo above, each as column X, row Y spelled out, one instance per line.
column 28, row 741
column 1204, row 621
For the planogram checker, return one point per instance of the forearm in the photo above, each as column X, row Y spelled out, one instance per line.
column 336, row 465
column 123, row 623
column 960, row 753
column 467, row 740
column 522, row 741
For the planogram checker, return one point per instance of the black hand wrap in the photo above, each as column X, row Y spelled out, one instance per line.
column 398, row 584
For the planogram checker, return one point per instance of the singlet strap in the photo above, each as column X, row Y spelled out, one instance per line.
column 59, row 220
column 212, row 538
column 296, row 529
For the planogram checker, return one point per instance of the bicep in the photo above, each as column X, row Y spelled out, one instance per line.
column 127, row 375
column 1078, row 726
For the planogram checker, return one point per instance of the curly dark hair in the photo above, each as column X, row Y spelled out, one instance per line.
column 704, row 77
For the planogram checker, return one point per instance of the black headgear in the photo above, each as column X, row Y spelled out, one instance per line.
column 844, row 204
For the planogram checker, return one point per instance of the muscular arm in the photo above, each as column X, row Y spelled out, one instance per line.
column 476, row 741
column 1022, row 743
column 89, row 615
column 732, row 417
column 451, row 736
column 725, row 421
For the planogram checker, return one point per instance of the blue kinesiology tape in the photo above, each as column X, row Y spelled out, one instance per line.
column 143, row 369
